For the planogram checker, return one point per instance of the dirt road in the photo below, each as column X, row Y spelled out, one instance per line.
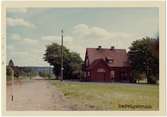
column 35, row 94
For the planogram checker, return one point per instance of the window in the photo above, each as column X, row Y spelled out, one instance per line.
column 110, row 61
column 88, row 73
column 100, row 70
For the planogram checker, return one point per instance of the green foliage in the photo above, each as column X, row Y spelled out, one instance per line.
column 11, row 63
column 71, row 60
column 16, row 72
column 142, row 59
column 8, row 71
column 27, row 72
column 11, row 67
column 136, row 76
column 155, row 48
column 44, row 74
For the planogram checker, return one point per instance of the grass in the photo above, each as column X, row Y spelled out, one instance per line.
column 109, row 96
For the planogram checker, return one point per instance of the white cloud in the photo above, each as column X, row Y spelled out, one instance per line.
column 99, row 32
column 98, row 35
column 10, row 47
column 30, row 41
column 85, row 31
column 15, row 37
column 17, row 10
column 82, row 29
column 18, row 39
column 19, row 22
column 92, row 32
column 57, row 39
column 49, row 38
column 25, row 50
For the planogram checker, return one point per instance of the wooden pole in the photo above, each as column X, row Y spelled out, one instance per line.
column 12, row 74
column 62, row 55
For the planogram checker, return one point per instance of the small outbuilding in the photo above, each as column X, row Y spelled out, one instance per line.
column 106, row 65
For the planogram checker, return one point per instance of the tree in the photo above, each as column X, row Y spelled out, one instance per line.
column 142, row 59
column 154, row 46
column 75, row 65
column 8, row 71
column 12, row 67
column 53, row 57
column 11, row 63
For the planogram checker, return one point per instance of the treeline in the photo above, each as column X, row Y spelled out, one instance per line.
column 20, row 71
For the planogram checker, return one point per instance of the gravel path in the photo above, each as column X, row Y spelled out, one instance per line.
column 35, row 95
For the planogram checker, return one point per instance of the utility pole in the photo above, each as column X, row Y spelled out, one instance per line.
column 62, row 55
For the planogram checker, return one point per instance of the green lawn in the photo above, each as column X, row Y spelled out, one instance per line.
column 109, row 96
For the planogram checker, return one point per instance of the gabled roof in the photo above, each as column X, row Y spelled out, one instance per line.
column 119, row 56
column 95, row 62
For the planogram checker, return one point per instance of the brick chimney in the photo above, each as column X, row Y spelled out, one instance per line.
column 99, row 47
column 112, row 48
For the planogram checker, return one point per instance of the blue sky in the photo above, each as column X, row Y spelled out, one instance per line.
column 29, row 30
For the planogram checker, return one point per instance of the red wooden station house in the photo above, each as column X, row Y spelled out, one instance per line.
column 107, row 65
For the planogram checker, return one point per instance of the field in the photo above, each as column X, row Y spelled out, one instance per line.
column 109, row 96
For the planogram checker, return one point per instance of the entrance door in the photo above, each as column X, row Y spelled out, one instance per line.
column 100, row 75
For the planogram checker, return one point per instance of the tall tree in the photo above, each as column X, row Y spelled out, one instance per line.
column 11, row 63
column 53, row 57
column 142, row 60
column 11, row 67
column 155, row 48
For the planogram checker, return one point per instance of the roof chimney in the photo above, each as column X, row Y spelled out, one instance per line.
column 99, row 47
column 112, row 48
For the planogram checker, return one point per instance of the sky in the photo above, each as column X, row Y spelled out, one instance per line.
column 30, row 30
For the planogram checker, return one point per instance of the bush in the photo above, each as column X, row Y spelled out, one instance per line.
column 8, row 71
column 152, row 80
column 136, row 76
column 44, row 74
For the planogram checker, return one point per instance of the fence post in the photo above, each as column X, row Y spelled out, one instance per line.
column 12, row 74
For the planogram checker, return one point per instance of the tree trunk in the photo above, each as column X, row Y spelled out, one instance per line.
column 148, row 78
column 56, row 77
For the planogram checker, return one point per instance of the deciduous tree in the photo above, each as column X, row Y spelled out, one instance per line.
column 70, row 59
column 143, row 60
